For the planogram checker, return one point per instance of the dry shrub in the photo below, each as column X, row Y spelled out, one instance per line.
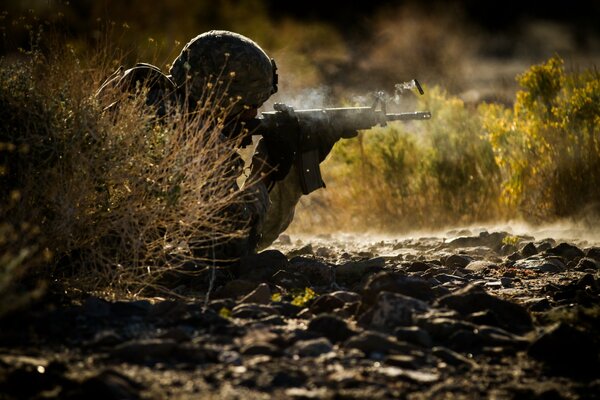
column 112, row 199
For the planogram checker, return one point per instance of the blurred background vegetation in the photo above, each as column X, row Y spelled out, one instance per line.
column 513, row 88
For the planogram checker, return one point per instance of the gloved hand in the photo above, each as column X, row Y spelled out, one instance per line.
column 283, row 144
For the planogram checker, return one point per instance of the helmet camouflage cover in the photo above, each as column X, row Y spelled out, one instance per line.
column 242, row 72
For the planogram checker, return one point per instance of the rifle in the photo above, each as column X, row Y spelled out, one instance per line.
column 307, row 130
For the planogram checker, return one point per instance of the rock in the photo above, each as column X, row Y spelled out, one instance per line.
column 151, row 351
column 260, row 267
column 131, row 308
column 483, row 337
column 253, row 311
column 593, row 253
column 105, row 338
column 260, row 348
column 529, row 250
column 284, row 239
column 587, row 263
column 473, row 298
column 445, row 278
column 491, row 240
column 441, row 328
column 302, row 251
column 541, row 264
column 97, row 308
column 452, row 358
column 332, row 301
column 391, row 310
column 260, row 295
column 396, row 283
column 311, row 348
column 417, row 266
column 325, row 252
column 414, row 335
column 317, row 272
column 109, row 385
column 287, row 309
column 168, row 310
column 457, row 261
column 480, row 266
column 374, row 343
column 234, row 289
column 422, row 377
column 404, row 361
column 538, row 304
column 354, row 270
column 230, row 357
column 507, row 249
column 290, row 280
column 332, row 327
column 565, row 349
column 566, row 251
column 506, row 282
column 545, row 244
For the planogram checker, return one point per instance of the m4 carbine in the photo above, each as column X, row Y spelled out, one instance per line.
column 304, row 137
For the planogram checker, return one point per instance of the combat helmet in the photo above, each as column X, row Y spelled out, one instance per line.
column 232, row 65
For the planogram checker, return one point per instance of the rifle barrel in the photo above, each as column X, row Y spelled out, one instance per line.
column 408, row 116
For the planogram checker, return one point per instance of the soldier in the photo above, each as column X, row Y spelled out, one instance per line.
column 249, row 78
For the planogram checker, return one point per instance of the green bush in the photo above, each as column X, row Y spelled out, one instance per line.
column 548, row 145
column 417, row 175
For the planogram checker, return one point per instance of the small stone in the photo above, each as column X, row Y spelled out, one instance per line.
column 506, row 282
column 260, row 348
column 529, row 250
column 354, row 270
column 253, row 311
column 317, row 272
column 330, row 326
column 451, row 357
column 391, row 310
column 290, row 280
column 370, row 342
column 260, row 295
column 566, row 251
column 396, row 283
column 284, row 239
column 566, row 349
column 414, row 335
column 457, row 261
column 96, row 307
column 311, row 348
column 593, row 253
column 259, row 267
column 234, row 289
column 473, row 298
column 480, row 266
column 587, row 263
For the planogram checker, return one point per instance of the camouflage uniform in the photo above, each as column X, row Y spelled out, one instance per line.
column 239, row 76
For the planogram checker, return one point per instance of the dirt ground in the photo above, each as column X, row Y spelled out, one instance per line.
column 466, row 314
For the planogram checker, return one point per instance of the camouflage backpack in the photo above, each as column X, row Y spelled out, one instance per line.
column 161, row 88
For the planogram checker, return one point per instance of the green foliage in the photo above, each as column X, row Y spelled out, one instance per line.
column 303, row 297
column 422, row 174
column 547, row 145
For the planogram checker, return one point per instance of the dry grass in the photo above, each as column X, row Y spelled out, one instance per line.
column 109, row 201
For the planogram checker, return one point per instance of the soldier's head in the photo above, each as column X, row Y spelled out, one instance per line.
column 228, row 66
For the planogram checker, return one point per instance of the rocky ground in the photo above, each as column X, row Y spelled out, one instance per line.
column 470, row 314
